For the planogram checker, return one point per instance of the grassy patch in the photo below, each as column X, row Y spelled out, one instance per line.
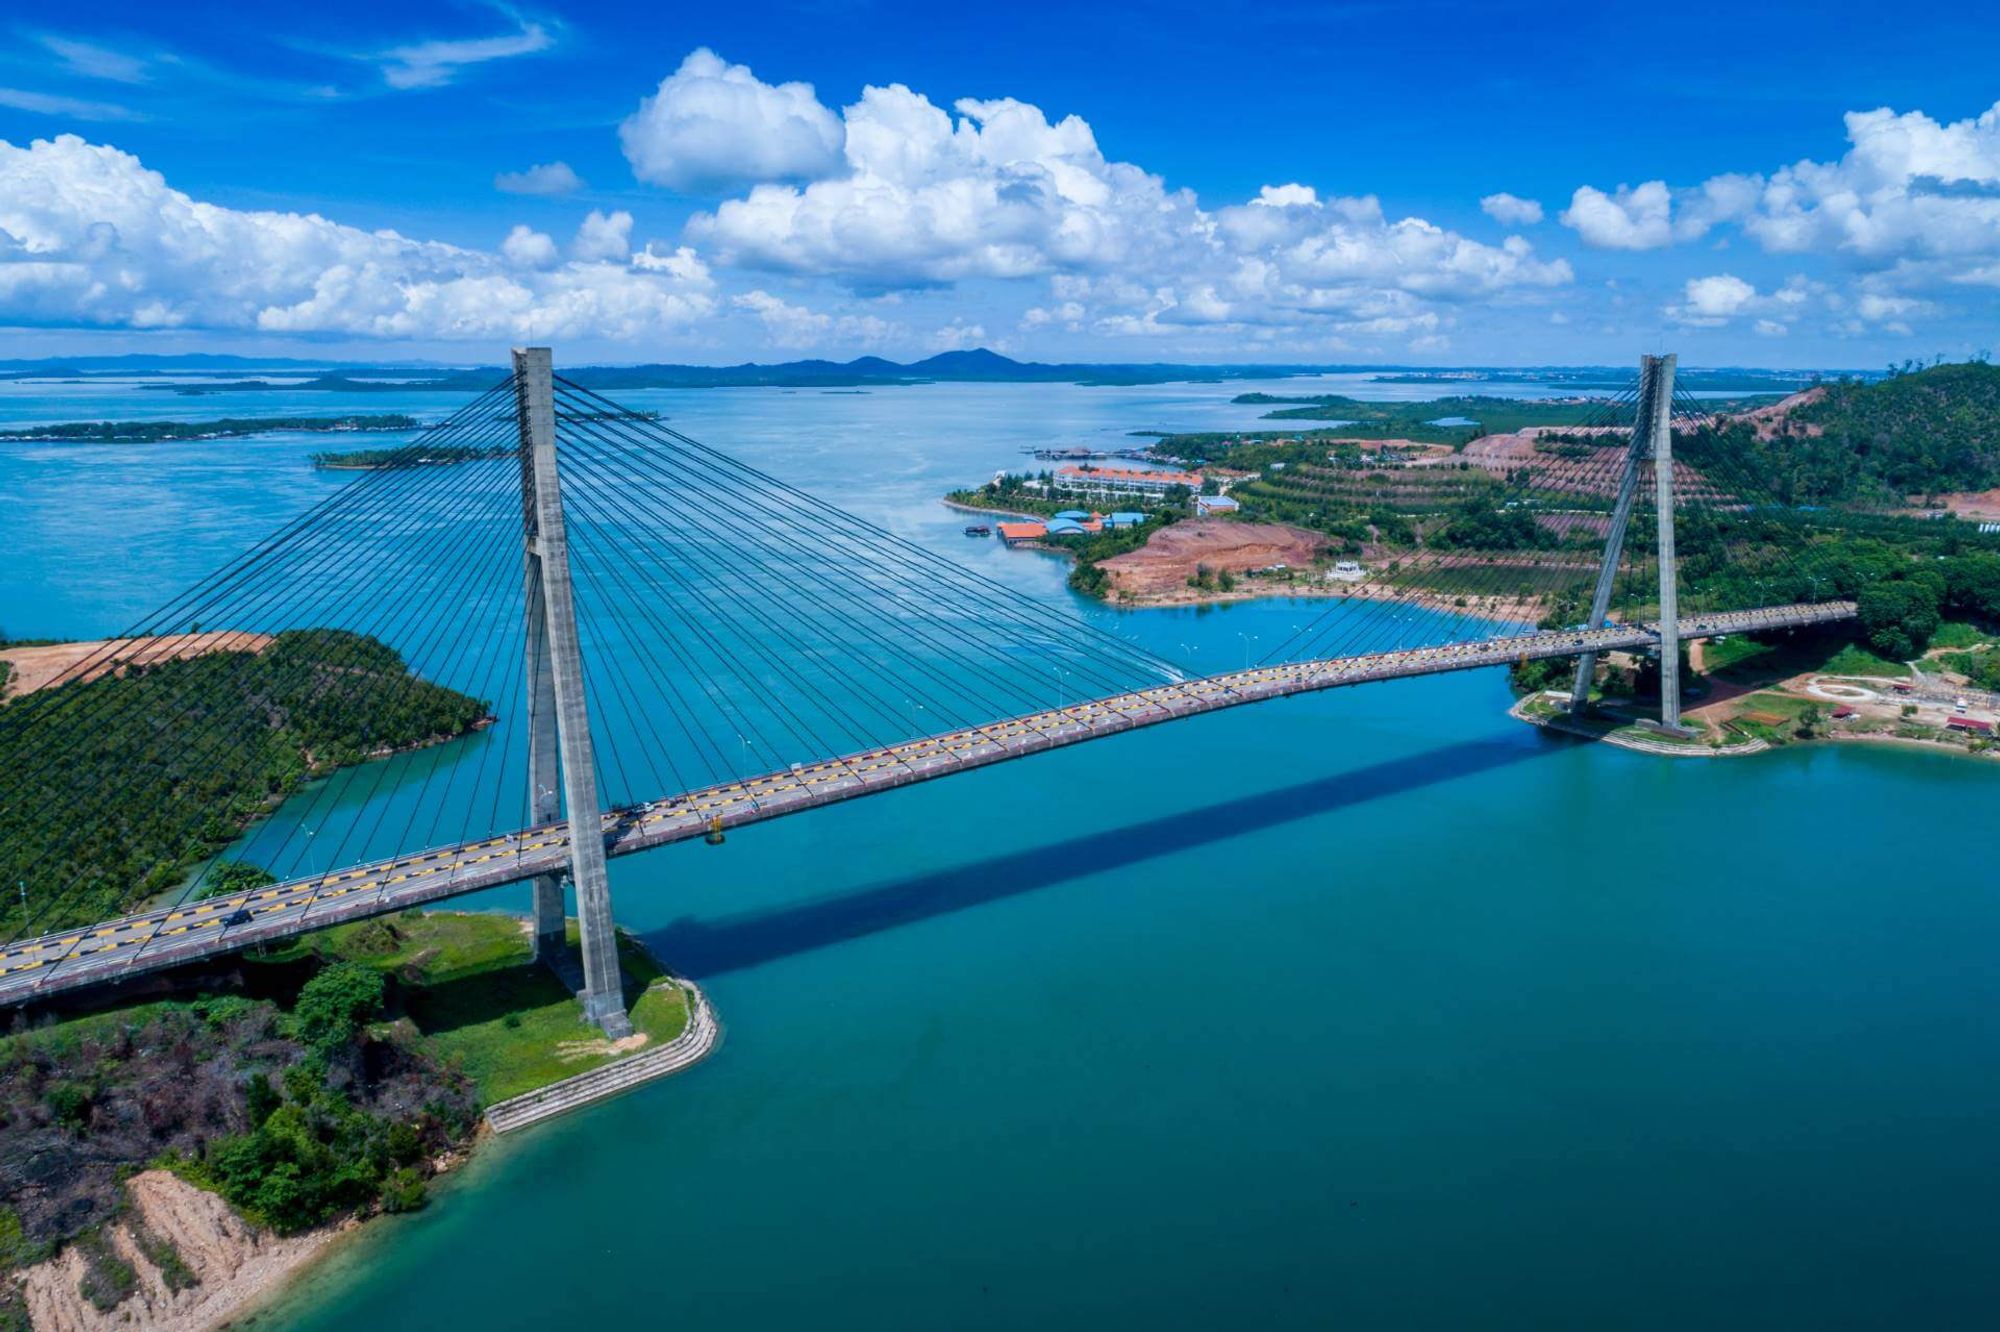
column 1856, row 660
column 1959, row 634
column 162, row 1254
column 1725, row 654
column 107, row 1279
column 471, row 992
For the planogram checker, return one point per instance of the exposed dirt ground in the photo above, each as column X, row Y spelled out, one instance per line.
column 233, row 1265
column 1983, row 505
column 1160, row 569
column 1768, row 419
column 39, row 667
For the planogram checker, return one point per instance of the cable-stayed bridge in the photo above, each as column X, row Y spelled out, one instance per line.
column 666, row 644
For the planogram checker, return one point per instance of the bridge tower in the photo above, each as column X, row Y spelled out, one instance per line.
column 561, row 770
column 1652, row 437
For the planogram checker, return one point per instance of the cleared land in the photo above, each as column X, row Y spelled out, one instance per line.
column 1159, row 570
column 39, row 667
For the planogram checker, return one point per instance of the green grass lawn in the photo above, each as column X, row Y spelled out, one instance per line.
column 1723, row 654
column 1856, row 660
column 467, row 986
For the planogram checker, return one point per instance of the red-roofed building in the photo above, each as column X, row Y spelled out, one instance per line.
column 1971, row 724
column 1122, row 480
column 1015, row 533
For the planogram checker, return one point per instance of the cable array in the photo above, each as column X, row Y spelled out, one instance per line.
column 731, row 624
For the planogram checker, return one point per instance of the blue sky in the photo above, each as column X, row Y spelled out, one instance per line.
column 1772, row 184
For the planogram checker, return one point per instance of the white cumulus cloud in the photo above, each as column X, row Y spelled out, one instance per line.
column 527, row 248
column 713, row 125
column 1912, row 206
column 1000, row 191
column 544, row 178
column 796, row 326
column 90, row 237
column 1511, row 209
column 603, row 236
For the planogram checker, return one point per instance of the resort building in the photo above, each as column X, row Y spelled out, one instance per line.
column 1122, row 481
column 1015, row 533
column 1204, row 505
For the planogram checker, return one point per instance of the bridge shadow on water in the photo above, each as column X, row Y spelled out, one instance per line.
column 699, row 948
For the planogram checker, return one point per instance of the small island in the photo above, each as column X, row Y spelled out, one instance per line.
column 407, row 456
column 174, row 432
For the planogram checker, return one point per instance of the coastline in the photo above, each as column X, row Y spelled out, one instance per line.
column 1667, row 749
column 998, row 513
column 1255, row 589
column 198, row 1265
column 237, row 1270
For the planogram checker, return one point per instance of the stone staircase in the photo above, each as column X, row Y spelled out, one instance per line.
column 620, row 1075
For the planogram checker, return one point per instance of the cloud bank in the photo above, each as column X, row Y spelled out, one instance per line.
column 90, row 237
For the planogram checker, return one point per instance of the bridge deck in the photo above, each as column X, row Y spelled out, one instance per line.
column 151, row 940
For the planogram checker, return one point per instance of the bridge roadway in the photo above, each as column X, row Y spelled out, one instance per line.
column 164, row 937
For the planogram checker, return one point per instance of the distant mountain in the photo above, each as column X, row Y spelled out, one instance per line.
column 975, row 366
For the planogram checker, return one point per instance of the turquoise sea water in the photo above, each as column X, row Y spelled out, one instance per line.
column 1372, row 1009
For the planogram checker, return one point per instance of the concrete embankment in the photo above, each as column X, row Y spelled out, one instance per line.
column 702, row 1034
column 1627, row 740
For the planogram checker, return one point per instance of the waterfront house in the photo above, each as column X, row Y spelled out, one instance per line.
column 1015, row 533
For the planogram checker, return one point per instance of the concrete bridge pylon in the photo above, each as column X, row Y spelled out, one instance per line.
column 562, row 773
column 1652, row 437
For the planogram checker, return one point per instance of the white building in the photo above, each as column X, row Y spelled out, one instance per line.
column 1122, row 481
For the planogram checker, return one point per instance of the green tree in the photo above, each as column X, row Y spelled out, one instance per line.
column 1899, row 615
column 335, row 1003
column 235, row 876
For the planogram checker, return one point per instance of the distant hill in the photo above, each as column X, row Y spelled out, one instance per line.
column 975, row 366
column 1925, row 433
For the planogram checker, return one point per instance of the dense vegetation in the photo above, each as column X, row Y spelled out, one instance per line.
column 111, row 790
column 156, row 432
column 327, row 1078
column 371, row 460
column 1921, row 434
column 294, row 1108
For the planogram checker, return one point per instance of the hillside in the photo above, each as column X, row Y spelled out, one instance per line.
column 1927, row 433
column 113, row 788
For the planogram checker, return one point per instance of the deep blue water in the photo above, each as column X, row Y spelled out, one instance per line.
column 1372, row 1009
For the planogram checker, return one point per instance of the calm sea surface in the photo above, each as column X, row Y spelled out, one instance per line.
column 1372, row 1009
